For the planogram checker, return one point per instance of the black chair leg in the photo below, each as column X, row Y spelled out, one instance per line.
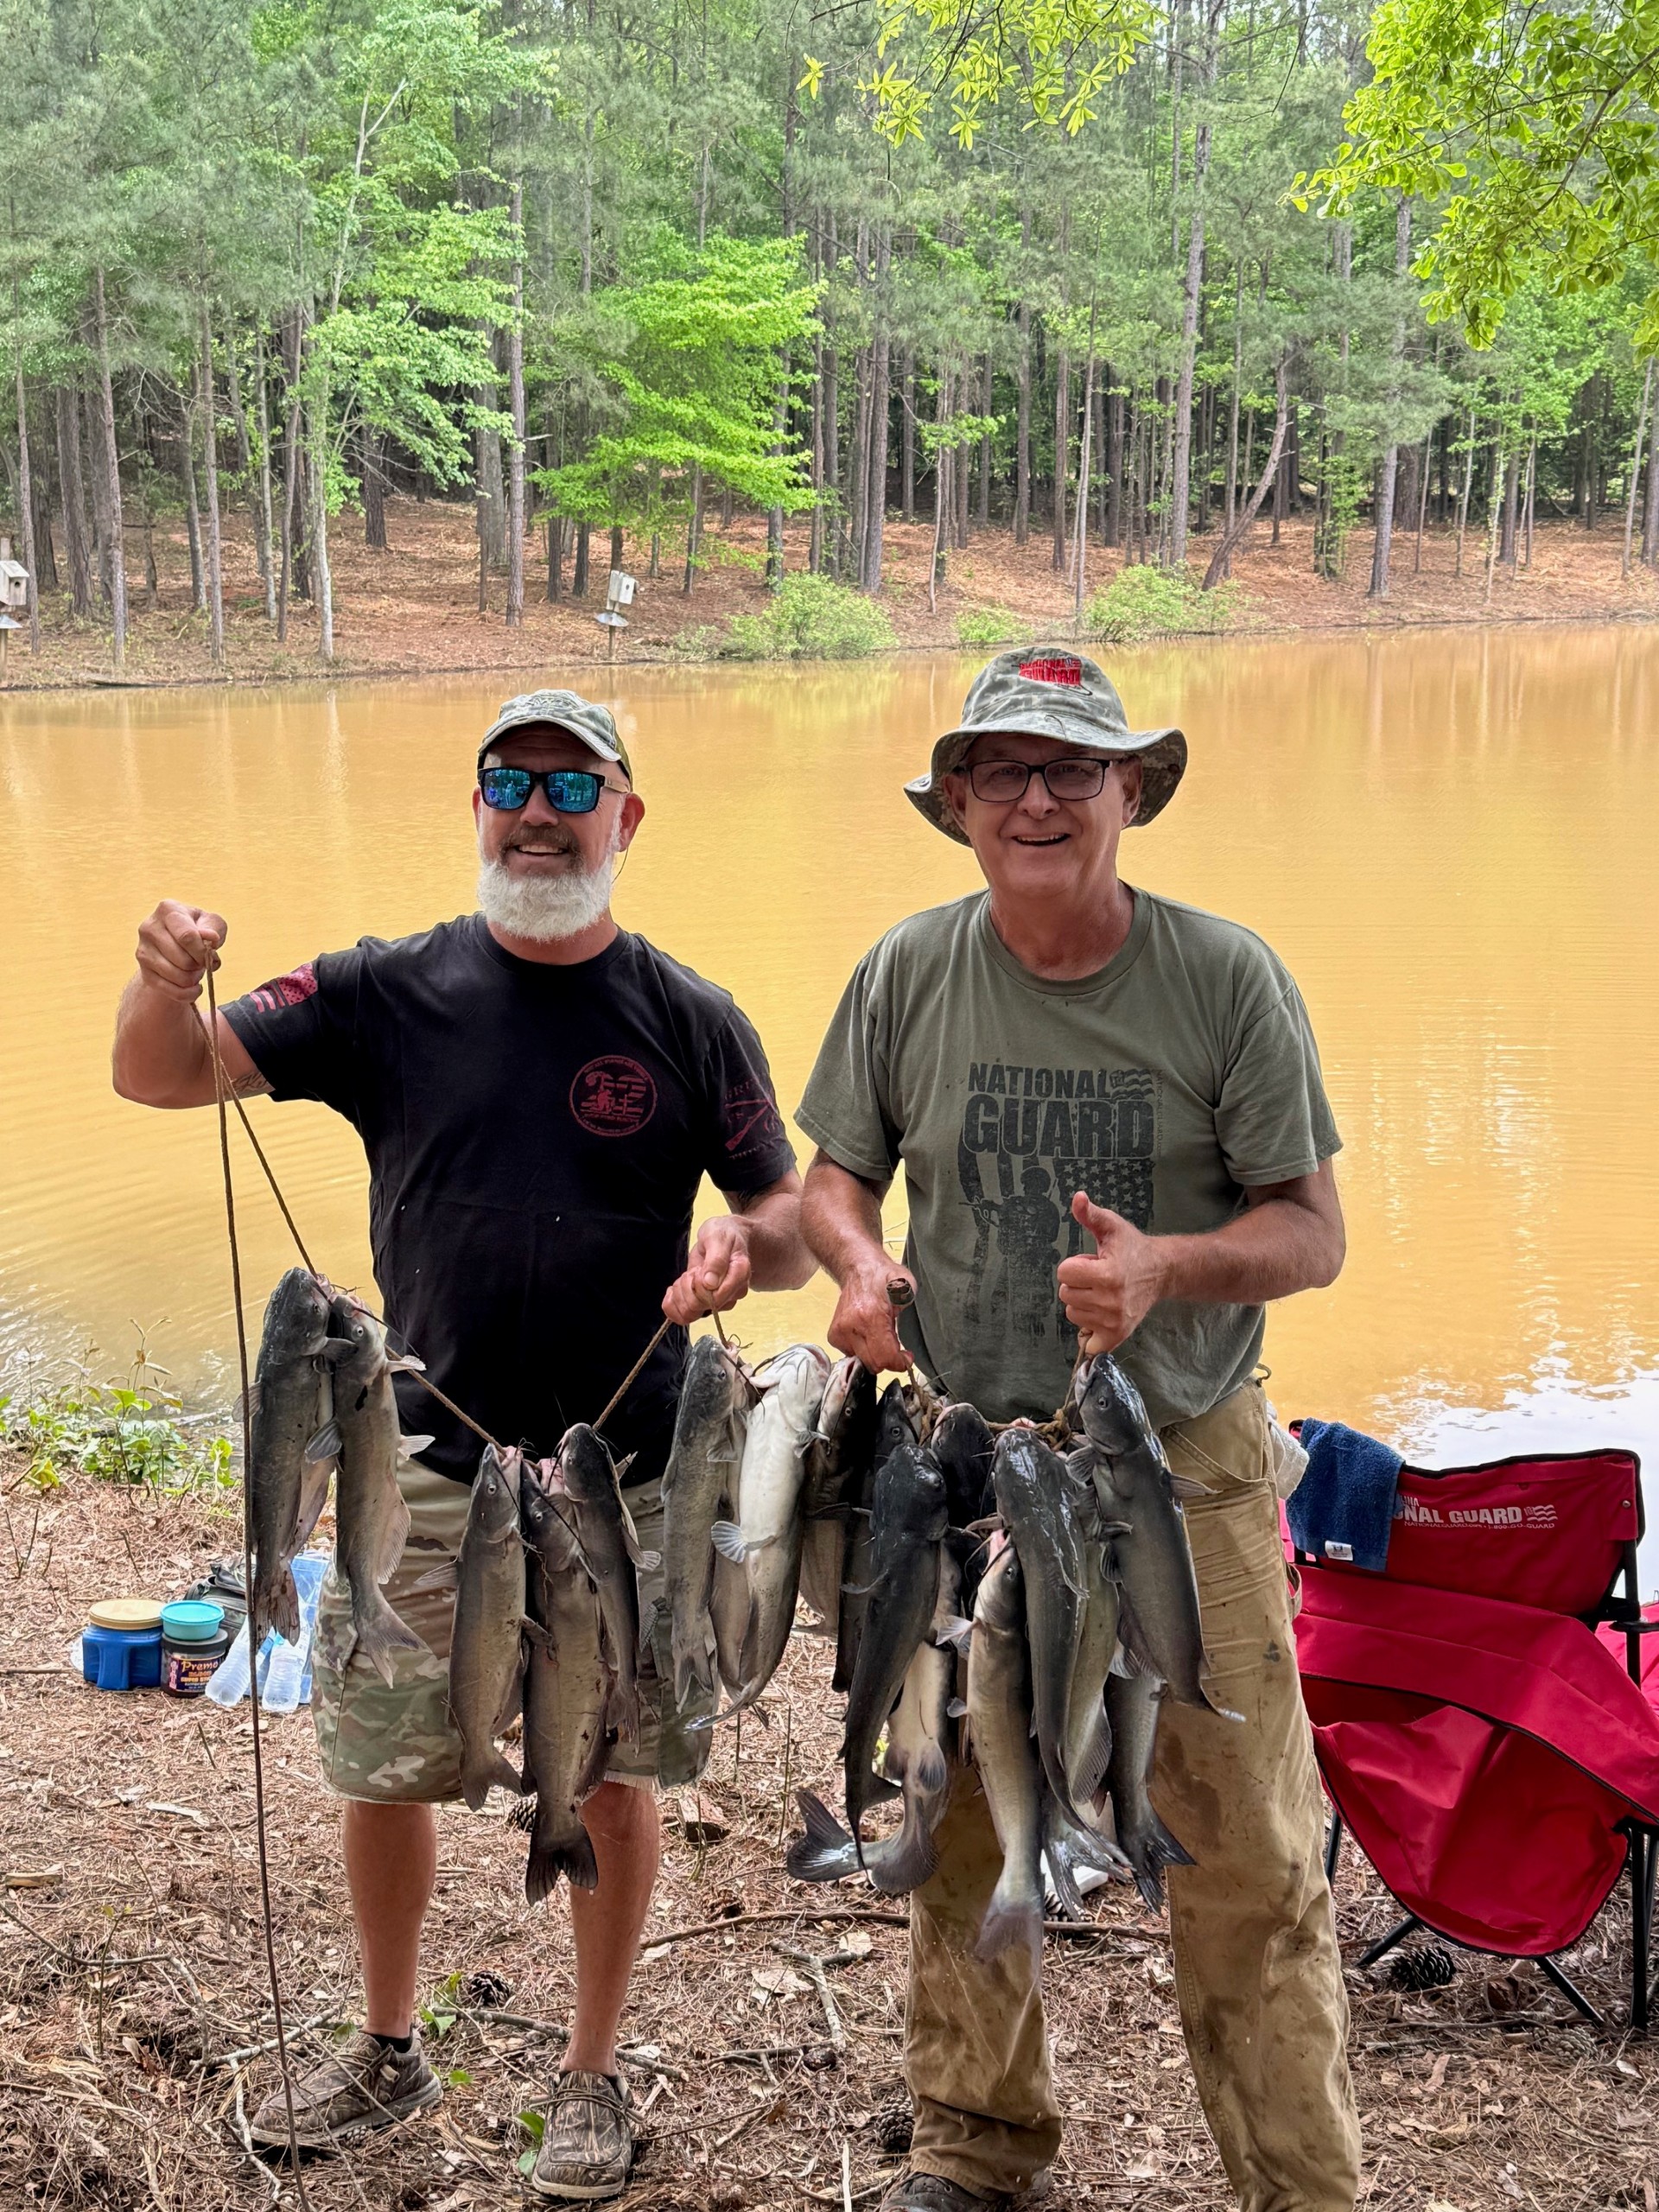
column 1570, row 1991
column 1642, row 1856
column 1334, row 1845
column 1385, row 1944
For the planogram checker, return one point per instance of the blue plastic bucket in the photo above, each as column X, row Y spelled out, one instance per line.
column 121, row 1659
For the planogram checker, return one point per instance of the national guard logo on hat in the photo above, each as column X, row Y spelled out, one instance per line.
column 1057, row 668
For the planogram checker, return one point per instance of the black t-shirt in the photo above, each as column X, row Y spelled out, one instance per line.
column 536, row 1135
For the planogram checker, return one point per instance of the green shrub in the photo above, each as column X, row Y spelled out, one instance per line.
column 812, row 618
column 1145, row 602
column 989, row 625
column 114, row 1434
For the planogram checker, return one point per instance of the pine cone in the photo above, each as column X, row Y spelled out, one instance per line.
column 1430, row 1966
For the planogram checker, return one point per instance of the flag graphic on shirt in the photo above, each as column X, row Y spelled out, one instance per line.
column 1030, row 1138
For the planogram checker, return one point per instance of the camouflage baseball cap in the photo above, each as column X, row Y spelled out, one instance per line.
column 566, row 710
column 1050, row 693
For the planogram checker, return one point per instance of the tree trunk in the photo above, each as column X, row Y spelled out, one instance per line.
column 516, row 403
column 1231, row 496
column 1651, row 509
column 191, row 506
column 1221, row 559
column 1506, row 547
column 985, row 452
column 693, row 532
column 324, row 581
column 374, row 495
column 262, row 520
column 1494, row 501
column 1023, row 432
column 1114, row 464
column 1629, row 504
column 1084, row 459
column 210, row 457
column 238, row 413
column 25, row 484
column 941, row 492
column 855, row 504
column 1532, row 494
column 1423, row 504
column 1382, row 539
column 45, row 559
column 815, row 533
column 579, row 578
column 1463, row 496
column 875, row 511
column 293, row 472
column 1062, row 459
column 908, row 442
column 111, row 460
column 1180, row 474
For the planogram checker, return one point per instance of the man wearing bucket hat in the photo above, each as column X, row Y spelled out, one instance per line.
column 1109, row 1112
column 539, row 1094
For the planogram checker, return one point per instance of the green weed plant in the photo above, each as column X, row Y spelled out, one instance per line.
column 1141, row 603
column 812, row 618
column 989, row 625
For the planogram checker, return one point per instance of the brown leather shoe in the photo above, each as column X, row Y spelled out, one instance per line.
column 588, row 2142
column 364, row 2085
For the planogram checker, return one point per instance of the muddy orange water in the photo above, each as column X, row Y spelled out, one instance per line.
column 1448, row 837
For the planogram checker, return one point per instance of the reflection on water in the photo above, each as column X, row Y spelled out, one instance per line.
column 1446, row 836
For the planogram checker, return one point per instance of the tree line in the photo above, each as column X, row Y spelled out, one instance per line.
column 614, row 265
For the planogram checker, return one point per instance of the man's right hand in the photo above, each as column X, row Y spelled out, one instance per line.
column 176, row 945
column 865, row 1321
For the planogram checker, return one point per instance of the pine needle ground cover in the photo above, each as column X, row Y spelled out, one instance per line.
column 132, row 1983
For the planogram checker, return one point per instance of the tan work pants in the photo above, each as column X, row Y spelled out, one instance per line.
column 1257, row 1972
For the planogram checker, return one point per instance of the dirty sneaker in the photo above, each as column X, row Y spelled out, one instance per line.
column 587, row 2141
column 365, row 2084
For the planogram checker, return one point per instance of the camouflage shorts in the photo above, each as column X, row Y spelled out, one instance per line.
column 395, row 1744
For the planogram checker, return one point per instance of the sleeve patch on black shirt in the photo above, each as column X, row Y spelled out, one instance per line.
column 292, row 989
column 751, row 1124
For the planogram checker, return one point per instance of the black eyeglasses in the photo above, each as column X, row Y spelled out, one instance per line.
column 1000, row 783
column 567, row 791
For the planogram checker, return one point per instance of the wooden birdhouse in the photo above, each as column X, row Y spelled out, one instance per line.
column 14, row 584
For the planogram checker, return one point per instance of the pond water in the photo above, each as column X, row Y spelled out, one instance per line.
column 1448, row 837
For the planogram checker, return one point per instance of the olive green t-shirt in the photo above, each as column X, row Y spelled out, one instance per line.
column 1164, row 1086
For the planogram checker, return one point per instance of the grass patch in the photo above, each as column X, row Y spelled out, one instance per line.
column 989, row 625
column 1146, row 602
column 811, row 618
column 136, row 1434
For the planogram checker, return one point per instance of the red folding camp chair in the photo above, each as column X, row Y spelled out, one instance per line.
column 1492, row 1755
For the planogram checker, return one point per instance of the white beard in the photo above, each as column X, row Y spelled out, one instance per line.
column 545, row 908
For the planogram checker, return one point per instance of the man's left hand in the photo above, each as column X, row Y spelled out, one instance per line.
column 717, row 1273
column 1108, row 1295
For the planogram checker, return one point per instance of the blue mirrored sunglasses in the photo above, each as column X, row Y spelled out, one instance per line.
column 567, row 791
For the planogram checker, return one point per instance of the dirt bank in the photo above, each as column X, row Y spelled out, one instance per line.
column 413, row 610
column 131, row 1978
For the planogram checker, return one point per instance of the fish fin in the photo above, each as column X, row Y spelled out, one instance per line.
column 476, row 1783
column 727, row 1539
column 337, row 1348
column 1184, row 1490
column 728, row 1455
column 1089, row 1847
column 622, row 1710
column 648, row 1562
column 825, row 1852
column 397, row 1535
column 1131, row 1642
column 571, row 1856
column 691, row 1668
column 1096, row 1757
column 407, row 1447
column 932, row 1773
column 247, row 1404
column 405, row 1363
column 313, row 1496
column 382, row 1633
column 955, row 1632
column 957, row 1708
column 1063, row 1882
column 445, row 1575
column 535, row 1631
column 326, row 1443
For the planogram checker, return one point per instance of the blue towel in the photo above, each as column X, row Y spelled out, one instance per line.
column 1342, row 1507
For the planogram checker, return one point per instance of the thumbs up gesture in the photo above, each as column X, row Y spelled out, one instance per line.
column 1107, row 1294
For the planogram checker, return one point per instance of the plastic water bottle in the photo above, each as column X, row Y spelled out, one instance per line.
column 285, row 1683
column 229, row 1685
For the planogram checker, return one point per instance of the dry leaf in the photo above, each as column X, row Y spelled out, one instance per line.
column 767, row 1982
column 701, row 1819
column 657, row 1951
column 1438, row 2074
column 857, row 1943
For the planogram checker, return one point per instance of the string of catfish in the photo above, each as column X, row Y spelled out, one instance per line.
column 223, row 1096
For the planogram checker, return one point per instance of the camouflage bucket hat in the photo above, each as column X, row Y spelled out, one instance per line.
column 1050, row 694
column 567, row 710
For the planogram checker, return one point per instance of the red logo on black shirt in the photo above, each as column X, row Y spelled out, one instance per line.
column 614, row 1096
column 292, row 989
column 752, row 1122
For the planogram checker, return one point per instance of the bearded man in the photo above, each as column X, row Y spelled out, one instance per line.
column 538, row 1093
column 1058, row 1062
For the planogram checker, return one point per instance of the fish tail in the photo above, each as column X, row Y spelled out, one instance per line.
column 1009, row 1919
column 380, row 1633
column 622, row 1710
column 551, row 1855
column 825, row 1852
column 1155, row 1849
column 691, row 1667
column 278, row 1606
column 480, row 1776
